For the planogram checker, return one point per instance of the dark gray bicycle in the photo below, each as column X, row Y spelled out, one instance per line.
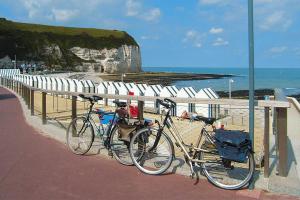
column 81, row 131
column 225, row 157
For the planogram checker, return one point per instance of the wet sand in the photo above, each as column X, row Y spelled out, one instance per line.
column 163, row 78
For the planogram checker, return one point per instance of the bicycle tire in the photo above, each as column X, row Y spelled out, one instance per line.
column 152, row 163
column 80, row 143
column 120, row 148
column 224, row 175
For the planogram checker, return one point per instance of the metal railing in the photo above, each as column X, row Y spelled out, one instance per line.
column 27, row 93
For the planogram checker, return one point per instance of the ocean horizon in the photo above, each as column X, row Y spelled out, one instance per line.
column 287, row 79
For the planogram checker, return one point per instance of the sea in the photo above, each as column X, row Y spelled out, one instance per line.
column 287, row 79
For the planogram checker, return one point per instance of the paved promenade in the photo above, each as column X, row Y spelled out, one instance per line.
column 33, row 166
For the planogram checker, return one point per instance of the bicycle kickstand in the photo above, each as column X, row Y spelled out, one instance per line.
column 192, row 170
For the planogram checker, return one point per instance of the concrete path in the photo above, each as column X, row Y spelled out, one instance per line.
column 33, row 166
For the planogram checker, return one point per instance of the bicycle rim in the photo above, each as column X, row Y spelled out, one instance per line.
column 119, row 148
column 152, row 162
column 225, row 174
column 80, row 136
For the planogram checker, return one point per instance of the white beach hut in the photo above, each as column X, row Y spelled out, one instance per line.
column 40, row 82
column 79, row 85
column 35, row 81
column 170, row 91
column 102, row 89
column 72, row 85
column 21, row 77
column 122, row 89
column 59, row 84
column 65, row 85
column 44, row 82
column 49, row 83
column 186, row 92
column 53, row 84
column 88, row 86
column 207, row 110
column 25, row 79
column 111, row 89
column 142, row 88
column 152, row 91
column 30, row 80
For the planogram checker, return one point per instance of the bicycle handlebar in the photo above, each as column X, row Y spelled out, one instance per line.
column 168, row 103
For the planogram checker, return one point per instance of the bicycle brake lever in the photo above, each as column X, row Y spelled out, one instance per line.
column 157, row 122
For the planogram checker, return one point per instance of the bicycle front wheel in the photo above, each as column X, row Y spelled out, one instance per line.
column 148, row 158
column 223, row 173
column 80, row 135
column 120, row 148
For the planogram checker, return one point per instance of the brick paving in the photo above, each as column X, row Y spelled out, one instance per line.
column 36, row 167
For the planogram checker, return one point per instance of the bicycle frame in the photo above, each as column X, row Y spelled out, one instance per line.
column 187, row 149
column 91, row 120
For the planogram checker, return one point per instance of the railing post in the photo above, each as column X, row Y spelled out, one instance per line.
column 266, row 142
column 141, row 110
column 282, row 141
column 28, row 98
column 44, row 103
column 74, row 107
column 32, row 102
column 22, row 90
column 16, row 87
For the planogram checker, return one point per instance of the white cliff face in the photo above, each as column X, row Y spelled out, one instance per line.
column 124, row 59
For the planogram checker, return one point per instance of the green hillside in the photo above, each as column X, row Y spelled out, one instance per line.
column 28, row 41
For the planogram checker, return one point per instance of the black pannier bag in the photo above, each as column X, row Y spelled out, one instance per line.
column 233, row 145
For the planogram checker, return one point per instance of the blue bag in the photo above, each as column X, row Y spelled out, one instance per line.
column 233, row 145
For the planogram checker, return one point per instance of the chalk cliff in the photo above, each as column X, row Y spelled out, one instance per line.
column 66, row 48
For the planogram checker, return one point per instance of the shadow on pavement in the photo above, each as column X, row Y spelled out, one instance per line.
column 7, row 96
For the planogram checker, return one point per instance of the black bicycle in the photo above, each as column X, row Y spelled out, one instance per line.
column 81, row 131
column 225, row 157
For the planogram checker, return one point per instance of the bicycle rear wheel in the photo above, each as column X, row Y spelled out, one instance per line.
column 223, row 173
column 80, row 135
column 120, row 148
column 148, row 160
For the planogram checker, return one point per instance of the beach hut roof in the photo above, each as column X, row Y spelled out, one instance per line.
column 208, row 92
column 172, row 90
column 103, row 84
column 187, row 90
column 155, row 88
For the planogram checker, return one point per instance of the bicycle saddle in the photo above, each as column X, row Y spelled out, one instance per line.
column 206, row 120
column 92, row 98
column 96, row 98
column 120, row 103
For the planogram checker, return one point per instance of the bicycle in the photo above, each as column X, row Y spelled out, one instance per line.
column 158, row 153
column 81, row 131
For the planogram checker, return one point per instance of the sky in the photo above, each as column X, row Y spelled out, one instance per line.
column 181, row 33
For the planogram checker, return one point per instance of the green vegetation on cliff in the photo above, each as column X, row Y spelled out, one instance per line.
column 29, row 41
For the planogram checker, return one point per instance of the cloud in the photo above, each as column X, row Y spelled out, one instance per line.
column 216, row 30
column 152, row 15
column 64, row 14
column 220, row 42
column 275, row 20
column 278, row 50
column 193, row 37
column 135, row 8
